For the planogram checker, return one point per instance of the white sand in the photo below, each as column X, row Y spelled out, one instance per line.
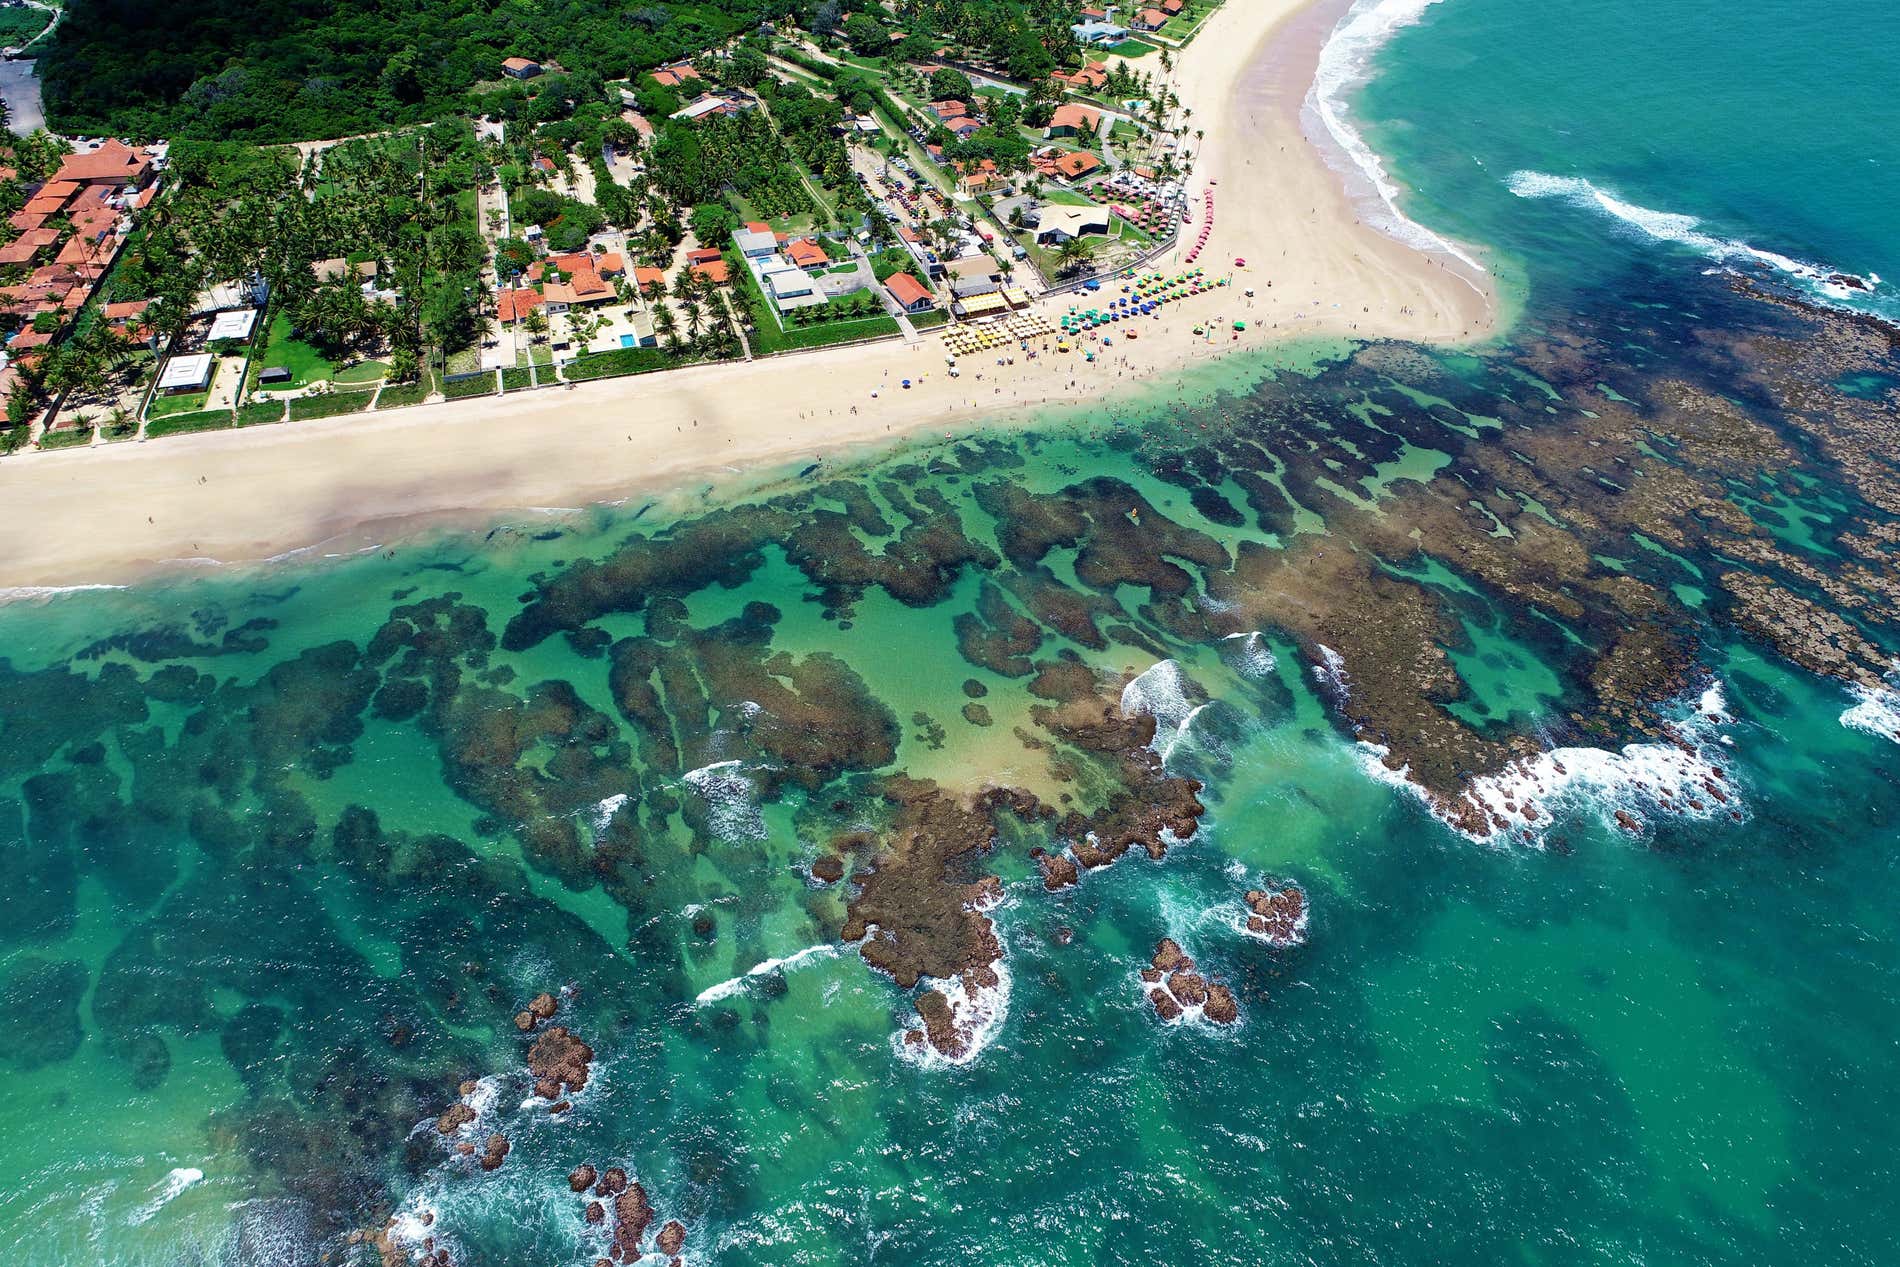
column 112, row 513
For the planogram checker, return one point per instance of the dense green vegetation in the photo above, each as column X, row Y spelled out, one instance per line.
column 288, row 70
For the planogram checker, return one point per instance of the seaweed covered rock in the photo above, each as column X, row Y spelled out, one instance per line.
column 559, row 1061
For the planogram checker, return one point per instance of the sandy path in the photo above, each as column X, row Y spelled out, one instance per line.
column 109, row 514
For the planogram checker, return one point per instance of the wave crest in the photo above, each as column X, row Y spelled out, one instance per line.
column 1686, row 231
column 1345, row 63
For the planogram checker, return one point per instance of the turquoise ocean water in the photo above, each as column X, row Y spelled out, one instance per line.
column 282, row 853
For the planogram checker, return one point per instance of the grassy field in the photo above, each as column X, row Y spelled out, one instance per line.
column 180, row 424
column 69, row 438
column 400, row 394
column 361, row 372
column 481, row 385
column 623, row 361
column 517, row 379
column 327, row 405
column 281, row 348
column 259, row 412
column 170, row 406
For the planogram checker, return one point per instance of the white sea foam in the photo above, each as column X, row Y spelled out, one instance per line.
column 732, row 986
column 1345, row 63
column 1682, row 230
column 1251, row 655
column 1878, row 709
column 1165, row 693
column 1688, row 778
column 27, row 593
column 731, row 799
column 603, row 811
column 978, row 1014
column 165, row 1192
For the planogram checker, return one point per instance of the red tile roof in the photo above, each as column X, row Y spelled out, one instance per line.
column 519, row 302
column 610, row 264
column 806, row 253
column 906, row 289
column 714, row 271
column 1080, row 118
column 702, row 255
column 130, row 308
column 644, row 277
column 29, row 244
column 757, row 226
column 113, row 162
column 1070, row 166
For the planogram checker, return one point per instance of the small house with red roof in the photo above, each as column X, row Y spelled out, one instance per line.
column 910, row 294
column 1071, row 119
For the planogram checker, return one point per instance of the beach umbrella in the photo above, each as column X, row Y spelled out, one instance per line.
column 1240, row 325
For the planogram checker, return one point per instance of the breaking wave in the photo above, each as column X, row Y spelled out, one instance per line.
column 731, row 986
column 731, row 801
column 1168, row 695
column 174, row 1183
column 1878, row 710
column 977, row 1013
column 1344, row 64
column 1686, row 231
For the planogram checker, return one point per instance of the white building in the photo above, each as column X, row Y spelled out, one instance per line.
column 186, row 373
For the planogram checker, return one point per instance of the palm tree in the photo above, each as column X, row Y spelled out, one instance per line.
column 1074, row 255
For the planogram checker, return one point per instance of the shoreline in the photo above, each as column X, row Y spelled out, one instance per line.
column 116, row 513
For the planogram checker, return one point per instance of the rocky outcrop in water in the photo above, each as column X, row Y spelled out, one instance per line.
column 1278, row 916
column 559, row 1061
column 1176, row 989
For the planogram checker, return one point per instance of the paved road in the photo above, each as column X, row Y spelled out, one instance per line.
column 20, row 86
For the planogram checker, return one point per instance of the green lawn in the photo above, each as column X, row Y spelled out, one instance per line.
column 170, row 406
column 362, row 372
column 1132, row 48
column 260, row 411
column 1067, row 197
column 400, row 394
column 305, row 363
column 179, row 424
column 482, row 384
column 327, row 405
column 66, row 438
column 621, row 361
column 517, row 379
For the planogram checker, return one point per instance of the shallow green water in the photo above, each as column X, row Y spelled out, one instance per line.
column 239, row 1002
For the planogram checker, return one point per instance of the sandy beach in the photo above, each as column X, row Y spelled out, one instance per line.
column 112, row 513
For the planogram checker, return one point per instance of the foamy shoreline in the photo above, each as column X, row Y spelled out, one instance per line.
column 119, row 512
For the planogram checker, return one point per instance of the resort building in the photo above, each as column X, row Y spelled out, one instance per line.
column 1071, row 119
column 911, row 295
column 1059, row 222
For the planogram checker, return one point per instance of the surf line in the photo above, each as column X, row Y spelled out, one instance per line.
column 732, row 985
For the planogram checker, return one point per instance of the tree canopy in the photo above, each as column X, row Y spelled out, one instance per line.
column 278, row 70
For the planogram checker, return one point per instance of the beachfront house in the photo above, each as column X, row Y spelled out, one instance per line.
column 1072, row 120
column 755, row 241
column 183, row 374
column 973, row 275
column 1103, row 33
column 911, row 295
column 789, row 286
column 808, row 255
column 1149, row 20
